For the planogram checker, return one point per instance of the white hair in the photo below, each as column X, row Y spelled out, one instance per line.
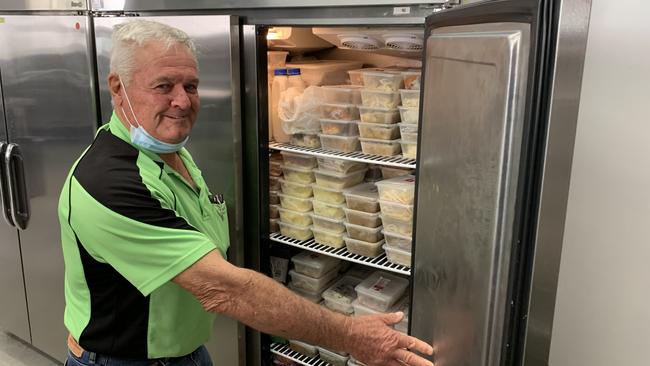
column 128, row 37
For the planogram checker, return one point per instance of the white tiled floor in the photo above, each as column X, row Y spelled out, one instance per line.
column 14, row 352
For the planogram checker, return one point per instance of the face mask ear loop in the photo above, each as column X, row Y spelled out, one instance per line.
column 137, row 124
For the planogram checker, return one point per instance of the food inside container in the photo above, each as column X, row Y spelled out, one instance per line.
column 313, row 264
column 373, row 173
column 295, row 203
column 369, row 220
column 409, row 114
column 388, row 81
column 409, row 149
column 329, row 210
column 410, row 98
column 409, row 137
column 273, row 225
column 298, row 175
column 359, row 232
column 299, row 161
column 341, row 112
column 296, row 189
column 294, row 231
column 364, row 248
column 329, row 179
column 275, row 168
column 339, row 143
column 411, row 79
column 325, row 223
column 295, row 217
column 390, row 172
column 341, row 294
column 398, row 226
column 303, row 348
column 407, row 128
column 379, row 98
column 274, row 199
column 398, row 256
column 339, row 128
column 274, row 183
column 381, row 290
column 359, row 271
column 305, row 140
column 339, row 165
column 378, row 131
column 341, row 94
column 397, row 211
column 274, row 212
column 380, row 147
column 398, row 189
column 363, row 197
column 356, row 76
column 328, row 195
column 378, row 115
column 325, row 72
column 314, row 297
column 332, row 358
column 396, row 240
column 312, row 284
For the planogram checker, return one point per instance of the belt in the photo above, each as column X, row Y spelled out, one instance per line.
column 74, row 346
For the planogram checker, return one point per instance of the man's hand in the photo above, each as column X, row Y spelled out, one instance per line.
column 372, row 341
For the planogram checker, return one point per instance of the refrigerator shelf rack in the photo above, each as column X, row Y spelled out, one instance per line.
column 394, row 161
column 285, row 351
column 380, row 262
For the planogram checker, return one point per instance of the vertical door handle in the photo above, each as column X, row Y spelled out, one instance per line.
column 4, row 188
column 18, row 199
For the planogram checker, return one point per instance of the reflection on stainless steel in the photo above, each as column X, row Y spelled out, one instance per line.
column 28, row 5
column 473, row 103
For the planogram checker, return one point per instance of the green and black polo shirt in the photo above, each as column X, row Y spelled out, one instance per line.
column 129, row 225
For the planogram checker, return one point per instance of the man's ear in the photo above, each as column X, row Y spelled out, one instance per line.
column 115, row 87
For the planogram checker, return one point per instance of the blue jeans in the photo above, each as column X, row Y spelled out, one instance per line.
column 200, row 357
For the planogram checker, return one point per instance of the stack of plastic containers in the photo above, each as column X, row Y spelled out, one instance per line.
column 382, row 293
column 340, row 118
column 396, row 199
column 295, row 199
column 410, row 112
column 312, row 274
column 363, row 221
column 275, row 174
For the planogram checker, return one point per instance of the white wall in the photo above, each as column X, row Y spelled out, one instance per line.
column 602, row 315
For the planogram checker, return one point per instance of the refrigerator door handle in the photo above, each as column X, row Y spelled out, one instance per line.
column 4, row 189
column 18, row 199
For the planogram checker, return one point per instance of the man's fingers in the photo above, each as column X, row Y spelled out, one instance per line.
column 415, row 344
column 393, row 318
column 410, row 358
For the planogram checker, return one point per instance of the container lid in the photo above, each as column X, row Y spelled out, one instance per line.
column 364, row 309
column 397, row 235
column 398, row 250
column 329, row 189
column 319, row 262
column 374, row 91
column 408, row 108
column 327, row 232
column 342, row 291
column 338, row 121
column 362, row 213
column 280, row 71
column 338, row 175
column 314, row 297
column 407, row 142
column 368, row 191
column 378, row 109
column 294, row 211
column 301, row 170
column 338, row 137
column 378, row 125
column 347, row 239
column 345, row 87
column 335, row 205
column 410, row 91
column 341, row 105
column 390, row 203
column 363, row 228
column 384, row 73
column 294, row 197
column 303, row 185
column 333, row 221
column 293, row 71
column 378, row 141
column 384, row 287
column 294, row 226
column 403, row 183
column 297, row 155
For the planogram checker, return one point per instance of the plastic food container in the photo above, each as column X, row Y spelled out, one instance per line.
column 373, row 173
column 338, row 165
column 296, row 189
column 390, row 172
column 397, row 240
column 397, row 255
column 365, row 219
column 341, row 112
column 274, row 198
column 364, row 248
column 274, row 183
column 410, row 98
column 325, row 72
column 380, row 147
column 298, row 175
column 409, row 115
column 403, row 306
column 379, row 98
column 398, row 189
column 339, row 143
column 339, row 128
column 314, row 297
column 313, row 264
column 299, row 161
column 356, row 76
column 311, row 284
column 274, row 212
column 341, row 94
column 363, row 197
column 359, row 232
column 359, row 271
column 397, row 211
column 378, row 115
column 295, row 217
column 411, row 79
column 388, row 81
column 378, row 131
column 295, row 203
column 409, row 138
column 275, row 168
column 328, row 195
column 332, row 358
column 273, row 225
column 381, row 290
column 340, row 295
column 295, row 231
column 303, row 348
column 329, row 210
column 325, row 223
column 328, row 179
column 305, row 140
column 409, row 149
column 360, row 309
column 399, row 227
column 407, row 128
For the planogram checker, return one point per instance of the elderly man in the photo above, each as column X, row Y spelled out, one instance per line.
column 144, row 241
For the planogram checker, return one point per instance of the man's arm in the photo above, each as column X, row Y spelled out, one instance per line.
column 263, row 304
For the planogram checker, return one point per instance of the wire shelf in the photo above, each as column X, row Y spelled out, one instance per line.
column 285, row 351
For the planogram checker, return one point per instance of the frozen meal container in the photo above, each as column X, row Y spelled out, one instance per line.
column 325, row 72
column 275, row 168
column 327, row 195
column 397, row 211
column 389, row 81
column 409, row 138
column 303, row 348
column 409, row 149
column 358, row 232
column 311, row 284
column 273, row 225
column 407, row 128
column 363, row 197
column 296, row 160
column 398, row 256
column 339, row 165
column 313, row 264
column 409, row 115
column 274, row 198
column 295, row 217
column 341, row 94
column 379, row 98
column 339, row 128
column 390, row 172
column 380, row 147
column 295, row 203
column 295, row 231
column 381, row 290
column 378, row 115
column 342, row 112
column 339, row 143
column 329, row 210
column 325, row 223
column 332, row 358
column 296, row 189
column 411, row 79
column 400, row 227
column 359, row 271
column 356, row 76
column 274, row 212
column 373, row 173
column 274, row 183
column 398, row 189
column 340, row 295
column 314, row 297
column 364, row 248
column 410, row 98
column 305, row 140
column 360, row 309
column 378, row 131
column 298, row 175
column 369, row 220
column 401, row 241
column 329, row 179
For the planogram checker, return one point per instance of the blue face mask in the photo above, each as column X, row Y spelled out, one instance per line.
column 140, row 137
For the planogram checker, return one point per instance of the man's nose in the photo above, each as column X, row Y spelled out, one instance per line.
column 180, row 98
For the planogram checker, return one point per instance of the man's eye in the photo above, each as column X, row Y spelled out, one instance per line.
column 191, row 88
column 163, row 87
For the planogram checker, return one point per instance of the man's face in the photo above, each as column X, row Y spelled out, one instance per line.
column 163, row 92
